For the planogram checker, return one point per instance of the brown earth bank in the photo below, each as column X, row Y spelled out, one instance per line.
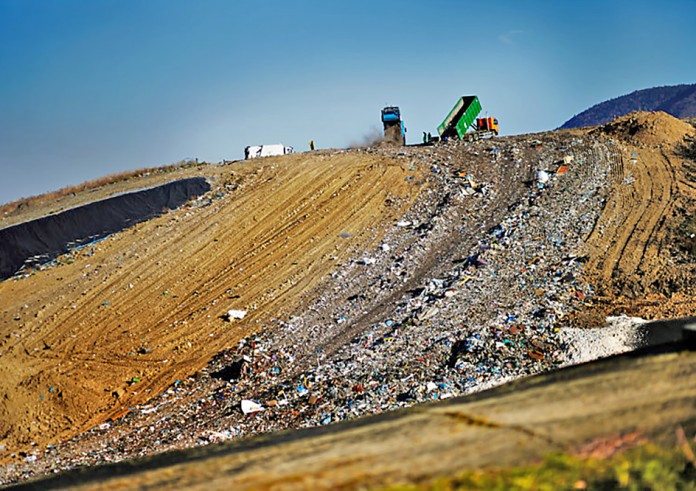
column 399, row 269
column 147, row 303
column 635, row 255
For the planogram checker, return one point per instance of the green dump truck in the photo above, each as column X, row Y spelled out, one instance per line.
column 463, row 116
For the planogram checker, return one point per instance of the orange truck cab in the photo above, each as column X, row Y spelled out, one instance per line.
column 487, row 124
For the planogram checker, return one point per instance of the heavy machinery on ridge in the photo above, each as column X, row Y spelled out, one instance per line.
column 462, row 117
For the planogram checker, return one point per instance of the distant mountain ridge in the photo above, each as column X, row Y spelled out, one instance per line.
column 677, row 100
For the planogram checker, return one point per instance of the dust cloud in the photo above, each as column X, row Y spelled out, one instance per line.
column 372, row 138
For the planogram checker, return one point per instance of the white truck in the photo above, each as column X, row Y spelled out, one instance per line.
column 256, row 151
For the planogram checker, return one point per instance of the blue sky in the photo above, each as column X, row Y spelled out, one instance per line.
column 93, row 87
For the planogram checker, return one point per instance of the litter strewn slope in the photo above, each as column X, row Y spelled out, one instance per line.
column 366, row 281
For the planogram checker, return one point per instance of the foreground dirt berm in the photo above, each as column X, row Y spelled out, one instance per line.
column 373, row 280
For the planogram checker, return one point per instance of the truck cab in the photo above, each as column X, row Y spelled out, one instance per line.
column 487, row 124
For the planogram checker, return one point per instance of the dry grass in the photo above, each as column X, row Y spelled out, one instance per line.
column 32, row 201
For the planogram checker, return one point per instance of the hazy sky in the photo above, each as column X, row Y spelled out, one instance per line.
column 94, row 87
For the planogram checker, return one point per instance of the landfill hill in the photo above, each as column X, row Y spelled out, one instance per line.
column 677, row 100
column 372, row 280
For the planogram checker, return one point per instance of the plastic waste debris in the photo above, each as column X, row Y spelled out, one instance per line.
column 236, row 314
column 250, row 407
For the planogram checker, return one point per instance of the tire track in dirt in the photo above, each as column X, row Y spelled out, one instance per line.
column 638, row 198
column 628, row 245
column 602, row 240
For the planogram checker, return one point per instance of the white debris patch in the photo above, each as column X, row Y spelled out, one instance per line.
column 621, row 334
column 236, row 314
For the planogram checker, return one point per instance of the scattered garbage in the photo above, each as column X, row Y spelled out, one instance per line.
column 506, row 280
column 236, row 314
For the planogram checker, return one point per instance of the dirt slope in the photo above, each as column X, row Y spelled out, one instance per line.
column 632, row 247
column 145, row 304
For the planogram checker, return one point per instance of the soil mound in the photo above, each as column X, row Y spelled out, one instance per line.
column 635, row 260
column 648, row 129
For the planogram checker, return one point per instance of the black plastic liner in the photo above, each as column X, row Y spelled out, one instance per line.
column 656, row 333
column 44, row 239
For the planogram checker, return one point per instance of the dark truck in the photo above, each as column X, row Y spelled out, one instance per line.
column 394, row 129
